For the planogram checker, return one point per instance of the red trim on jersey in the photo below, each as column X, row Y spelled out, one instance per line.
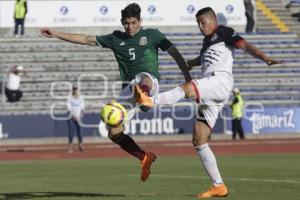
column 236, row 44
column 211, row 128
column 196, row 91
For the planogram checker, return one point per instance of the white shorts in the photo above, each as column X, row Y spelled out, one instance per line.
column 212, row 92
column 126, row 97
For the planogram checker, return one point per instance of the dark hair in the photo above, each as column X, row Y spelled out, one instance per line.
column 131, row 10
column 205, row 10
column 74, row 89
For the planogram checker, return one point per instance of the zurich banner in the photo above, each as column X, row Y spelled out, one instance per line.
column 91, row 13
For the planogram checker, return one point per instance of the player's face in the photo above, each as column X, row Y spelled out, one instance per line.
column 131, row 25
column 76, row 93
column 206, row 24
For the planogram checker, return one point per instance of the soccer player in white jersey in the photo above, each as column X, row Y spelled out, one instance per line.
column 210, row 92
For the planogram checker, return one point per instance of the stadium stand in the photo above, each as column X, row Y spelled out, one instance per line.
column 52, row 64
column 284, row 14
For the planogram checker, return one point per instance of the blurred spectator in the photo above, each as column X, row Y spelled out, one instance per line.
column 249, row 8
column 237, row 107
column 19, row 16
column 288, row 5
column 296, row 15
column 291, row 3
column 12, row 89
column 75, row 105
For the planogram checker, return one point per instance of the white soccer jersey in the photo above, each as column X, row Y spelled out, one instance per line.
column 213, row 90
column 217, row 51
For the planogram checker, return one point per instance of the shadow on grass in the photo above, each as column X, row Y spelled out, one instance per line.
column 33, row 195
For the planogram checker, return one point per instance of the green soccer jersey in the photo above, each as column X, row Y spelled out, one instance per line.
column 136, row 54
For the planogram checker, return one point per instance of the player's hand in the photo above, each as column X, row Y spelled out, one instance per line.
column 189, row 66
column 273, row 62
column 47, row 32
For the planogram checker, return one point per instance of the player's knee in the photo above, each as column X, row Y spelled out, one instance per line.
column 199, row 140
column 115, row 138
column 195, row 142
column 146, row 80
column 188, row 90
column 115, row 134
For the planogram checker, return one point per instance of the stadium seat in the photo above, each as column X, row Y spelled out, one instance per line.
column 49, row 60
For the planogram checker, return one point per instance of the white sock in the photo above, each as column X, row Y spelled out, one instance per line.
column 209, row 163
column 170, row 97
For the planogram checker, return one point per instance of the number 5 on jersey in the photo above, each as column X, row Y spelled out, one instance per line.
column 131, row 53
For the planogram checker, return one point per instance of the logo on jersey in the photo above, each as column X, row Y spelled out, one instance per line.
column 122, row 44
column 143, row 40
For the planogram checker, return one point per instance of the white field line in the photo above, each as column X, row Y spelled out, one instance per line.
column 227, row 178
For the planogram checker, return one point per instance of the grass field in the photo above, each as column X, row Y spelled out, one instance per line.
column 249, row 177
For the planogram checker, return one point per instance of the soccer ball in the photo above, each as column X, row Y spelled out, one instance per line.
column 114, row 114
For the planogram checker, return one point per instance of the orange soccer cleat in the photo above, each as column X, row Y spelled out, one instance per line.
column 214, row 191
column 142, row 98
column 146, row 164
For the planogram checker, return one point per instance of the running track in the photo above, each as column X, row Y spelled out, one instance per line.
column 161, row 148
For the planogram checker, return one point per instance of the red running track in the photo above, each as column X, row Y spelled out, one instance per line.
column 161, row 148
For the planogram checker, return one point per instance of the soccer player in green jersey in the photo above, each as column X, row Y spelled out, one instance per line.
column 136, row 51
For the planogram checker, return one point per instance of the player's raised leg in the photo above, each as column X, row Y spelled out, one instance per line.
column 186, row 90
column 144, row 89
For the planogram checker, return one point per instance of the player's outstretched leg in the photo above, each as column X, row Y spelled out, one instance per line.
column 142, row 98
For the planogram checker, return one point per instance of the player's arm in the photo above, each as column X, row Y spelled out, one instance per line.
column 194, row 62
column 176, row 55
column 74, row 38
column 255, row 52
